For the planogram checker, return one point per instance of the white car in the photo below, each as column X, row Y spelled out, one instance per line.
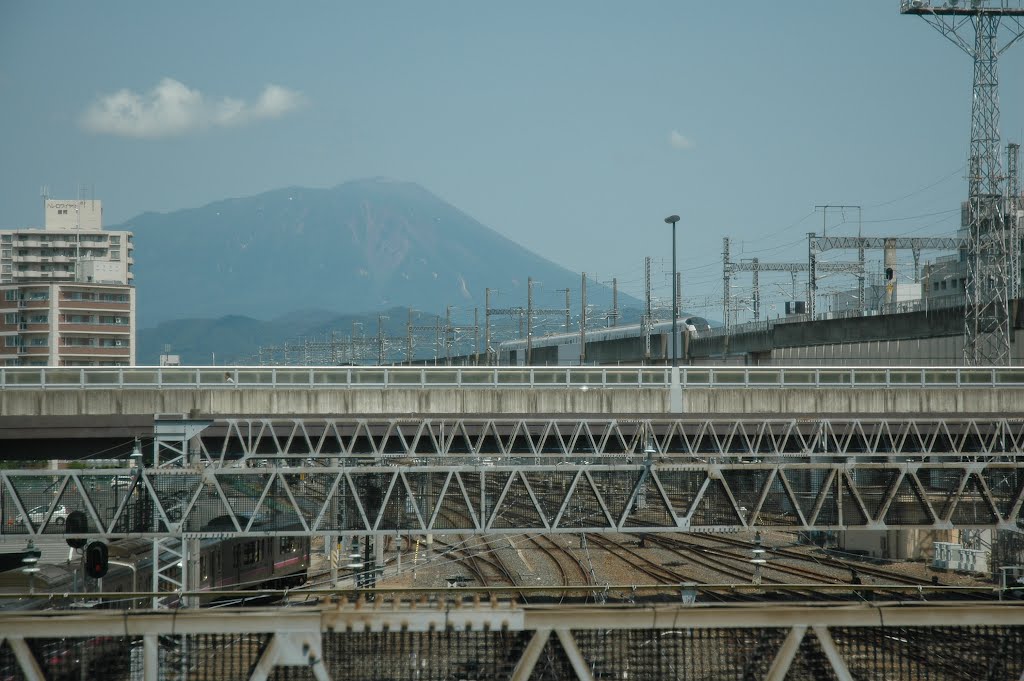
column 38, row 514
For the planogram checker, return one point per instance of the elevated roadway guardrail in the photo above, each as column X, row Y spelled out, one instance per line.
column 328, row 378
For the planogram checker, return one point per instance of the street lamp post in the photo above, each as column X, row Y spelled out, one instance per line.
column 672, row 220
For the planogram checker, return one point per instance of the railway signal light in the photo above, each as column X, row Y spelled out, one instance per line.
column 96, row 563
column 76, row 523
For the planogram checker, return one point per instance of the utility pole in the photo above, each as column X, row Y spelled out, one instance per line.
column 757, row 293
column 380, row 339
column 568, row 317
column 726, row 283
column 529, row 312
column 615, row 301
column 583, row 321
column 529, row 321
column 448, row 335
column 812, row 274
column 409, row 329
column 408, row 339
column 487, row 324
column 679, row 294
column 476, row 337
column 648, row 317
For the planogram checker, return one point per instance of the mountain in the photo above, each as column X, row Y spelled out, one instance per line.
column 234, row 339
column 363, row 246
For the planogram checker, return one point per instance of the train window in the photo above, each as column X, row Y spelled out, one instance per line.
column 204, row 567
column 236, row 556
column 288, row 545
column 252, row 553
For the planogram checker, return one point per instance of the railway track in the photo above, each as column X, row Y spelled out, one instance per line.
column 660, row 572
column 832, row 562
column 736, row 565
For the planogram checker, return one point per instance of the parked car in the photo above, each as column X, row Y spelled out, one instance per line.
column 38, row 514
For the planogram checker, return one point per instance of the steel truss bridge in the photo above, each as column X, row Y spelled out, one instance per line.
column 400, row 476
column 435, row 640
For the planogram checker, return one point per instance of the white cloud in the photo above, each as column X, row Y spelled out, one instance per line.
column 677, row 141
column 172, row 108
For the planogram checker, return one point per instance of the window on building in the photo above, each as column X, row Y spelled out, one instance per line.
column 5, row 253
column 39, row 319
column 79, row 295
column 12, row 341
column 39, row 341
column 38, row 295
column 11, row 318
column 935, row 286
column 11, row 294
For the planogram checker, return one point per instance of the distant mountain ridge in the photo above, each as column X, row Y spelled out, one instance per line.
column 362, row 246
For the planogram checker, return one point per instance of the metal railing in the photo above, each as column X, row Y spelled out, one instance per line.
column 430, row 635
column 233, row 378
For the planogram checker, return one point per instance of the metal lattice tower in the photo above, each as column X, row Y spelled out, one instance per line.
column 988, row 291
column 1014, row 205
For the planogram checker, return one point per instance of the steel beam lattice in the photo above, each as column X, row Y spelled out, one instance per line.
column 572, row 499
column 175, row 446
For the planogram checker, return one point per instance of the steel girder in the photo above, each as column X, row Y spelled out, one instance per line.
column 502, row 641
column 830, row 493
column 452, row 441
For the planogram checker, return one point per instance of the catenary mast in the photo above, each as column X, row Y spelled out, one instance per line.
column 989, row 248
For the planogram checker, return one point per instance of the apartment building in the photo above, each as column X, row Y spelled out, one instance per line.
column 66, row 294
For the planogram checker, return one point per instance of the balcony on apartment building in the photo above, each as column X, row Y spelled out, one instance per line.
column 95, row 305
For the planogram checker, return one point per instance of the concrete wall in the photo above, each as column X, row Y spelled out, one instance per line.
column 911, row 544
column 933, row 338
column 511, row 400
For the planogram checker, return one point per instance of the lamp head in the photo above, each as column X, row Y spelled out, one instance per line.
column 672, row 219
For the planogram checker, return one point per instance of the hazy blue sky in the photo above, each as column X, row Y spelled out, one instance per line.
column 571, row 127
